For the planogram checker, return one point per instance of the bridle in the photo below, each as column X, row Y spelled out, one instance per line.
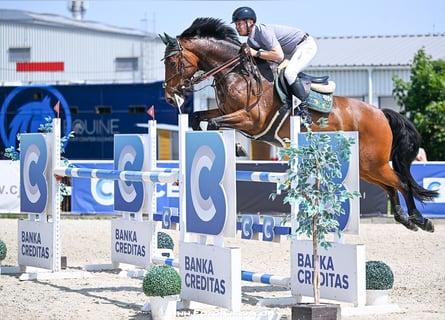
column 187, row 85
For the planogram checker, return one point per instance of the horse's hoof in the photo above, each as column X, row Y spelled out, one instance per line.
column 426, row 225
column 411, row 226
column 195, row 125
column 212, row 125
column 406, row 222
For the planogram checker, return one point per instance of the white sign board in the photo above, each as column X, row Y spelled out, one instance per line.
column 9, row 186
column 342, row 271
column 131, row 242
column 211, row 275
column 35, row 244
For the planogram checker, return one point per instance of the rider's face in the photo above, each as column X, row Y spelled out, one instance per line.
column 242, row 27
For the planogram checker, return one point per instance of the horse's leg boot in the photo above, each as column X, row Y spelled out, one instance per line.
column 419, row 220
column 399, row 216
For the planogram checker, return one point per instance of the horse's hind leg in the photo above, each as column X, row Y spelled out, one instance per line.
column 414, row 214
column 390, row 182
column 396, row 208
column 387, row 179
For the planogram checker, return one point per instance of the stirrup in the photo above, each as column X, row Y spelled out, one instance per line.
column 303, row 112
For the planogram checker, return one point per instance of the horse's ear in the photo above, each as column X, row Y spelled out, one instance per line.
column 163, row 38
column 171, row 40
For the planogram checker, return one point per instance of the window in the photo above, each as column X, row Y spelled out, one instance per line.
column 19, row 54
column 126, row 64
column 388, row 102
column 103, row 110
column 137, row 109
column 74, row 110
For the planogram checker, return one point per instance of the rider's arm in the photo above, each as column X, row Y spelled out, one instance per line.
column 276, row 54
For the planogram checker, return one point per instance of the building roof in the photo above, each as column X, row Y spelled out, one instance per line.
column 53, row 20
column 372, row 51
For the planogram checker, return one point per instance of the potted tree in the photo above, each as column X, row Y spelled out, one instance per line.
column 311, row 185
column 162, row 283
column 379, row 282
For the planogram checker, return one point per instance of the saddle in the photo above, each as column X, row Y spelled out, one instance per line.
column 320, row 90
column 320, row 98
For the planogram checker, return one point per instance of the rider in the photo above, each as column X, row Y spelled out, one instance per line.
column 276, row 43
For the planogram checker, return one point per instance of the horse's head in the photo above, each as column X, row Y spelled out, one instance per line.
column 180, row 66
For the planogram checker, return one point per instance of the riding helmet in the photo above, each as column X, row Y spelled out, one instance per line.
column 243, row 13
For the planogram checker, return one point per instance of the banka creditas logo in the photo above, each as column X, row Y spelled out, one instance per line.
column 25, row 109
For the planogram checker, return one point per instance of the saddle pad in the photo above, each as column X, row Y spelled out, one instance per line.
column 320, row 102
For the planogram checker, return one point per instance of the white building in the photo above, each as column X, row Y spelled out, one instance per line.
column 46, row 48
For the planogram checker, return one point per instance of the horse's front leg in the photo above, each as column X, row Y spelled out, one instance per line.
column 238, row 120
column 199, row 116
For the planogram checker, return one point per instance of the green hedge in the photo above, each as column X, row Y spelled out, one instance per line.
column 379, row 276
column 3, row 250
column 162, row 280
column 165, row 241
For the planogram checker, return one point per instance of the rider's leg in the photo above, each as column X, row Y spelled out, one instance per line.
column 303, row 55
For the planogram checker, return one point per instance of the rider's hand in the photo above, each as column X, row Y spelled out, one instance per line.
column 246, row 49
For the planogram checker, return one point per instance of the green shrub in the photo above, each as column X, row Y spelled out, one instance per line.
column 3, row 250
column 379, row 276
column 162, row 280
column 165, row 241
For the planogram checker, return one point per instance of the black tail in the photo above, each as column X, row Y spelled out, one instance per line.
column 405, row 146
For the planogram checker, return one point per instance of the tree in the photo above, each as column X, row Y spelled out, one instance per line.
column 422, row 101
column 311, row 185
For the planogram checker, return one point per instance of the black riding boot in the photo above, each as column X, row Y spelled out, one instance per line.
column 300, row 88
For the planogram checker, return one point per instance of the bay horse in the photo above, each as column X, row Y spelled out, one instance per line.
column 249, row 101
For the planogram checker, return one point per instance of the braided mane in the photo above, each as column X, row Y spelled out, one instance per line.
column 211, row 27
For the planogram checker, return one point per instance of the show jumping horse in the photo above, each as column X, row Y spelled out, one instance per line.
column 250, row 102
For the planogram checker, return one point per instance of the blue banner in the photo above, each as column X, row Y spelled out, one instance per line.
column 430, row 175
column 93, row 196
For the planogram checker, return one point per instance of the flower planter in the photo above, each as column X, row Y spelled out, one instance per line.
column 163, row 308
column 311, row 311
column 379, row 283
column 377, row 297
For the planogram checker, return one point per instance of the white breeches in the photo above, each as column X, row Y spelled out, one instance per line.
column 303, row 55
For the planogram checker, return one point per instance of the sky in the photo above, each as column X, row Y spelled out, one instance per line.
column 322, row 18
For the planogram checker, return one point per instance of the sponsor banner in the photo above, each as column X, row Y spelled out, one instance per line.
column 211, row 274
column 96, row 196
column 348, row 223
column 35, row 173
column 130, row 242
column 35, row 244
column 430, row 175
column 210, row 183
column 10, row 186
column 92, row 195
column 342, row 271
column 130, row 154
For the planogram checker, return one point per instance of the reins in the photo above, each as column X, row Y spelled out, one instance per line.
column 216, row 70
column 232, row 63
